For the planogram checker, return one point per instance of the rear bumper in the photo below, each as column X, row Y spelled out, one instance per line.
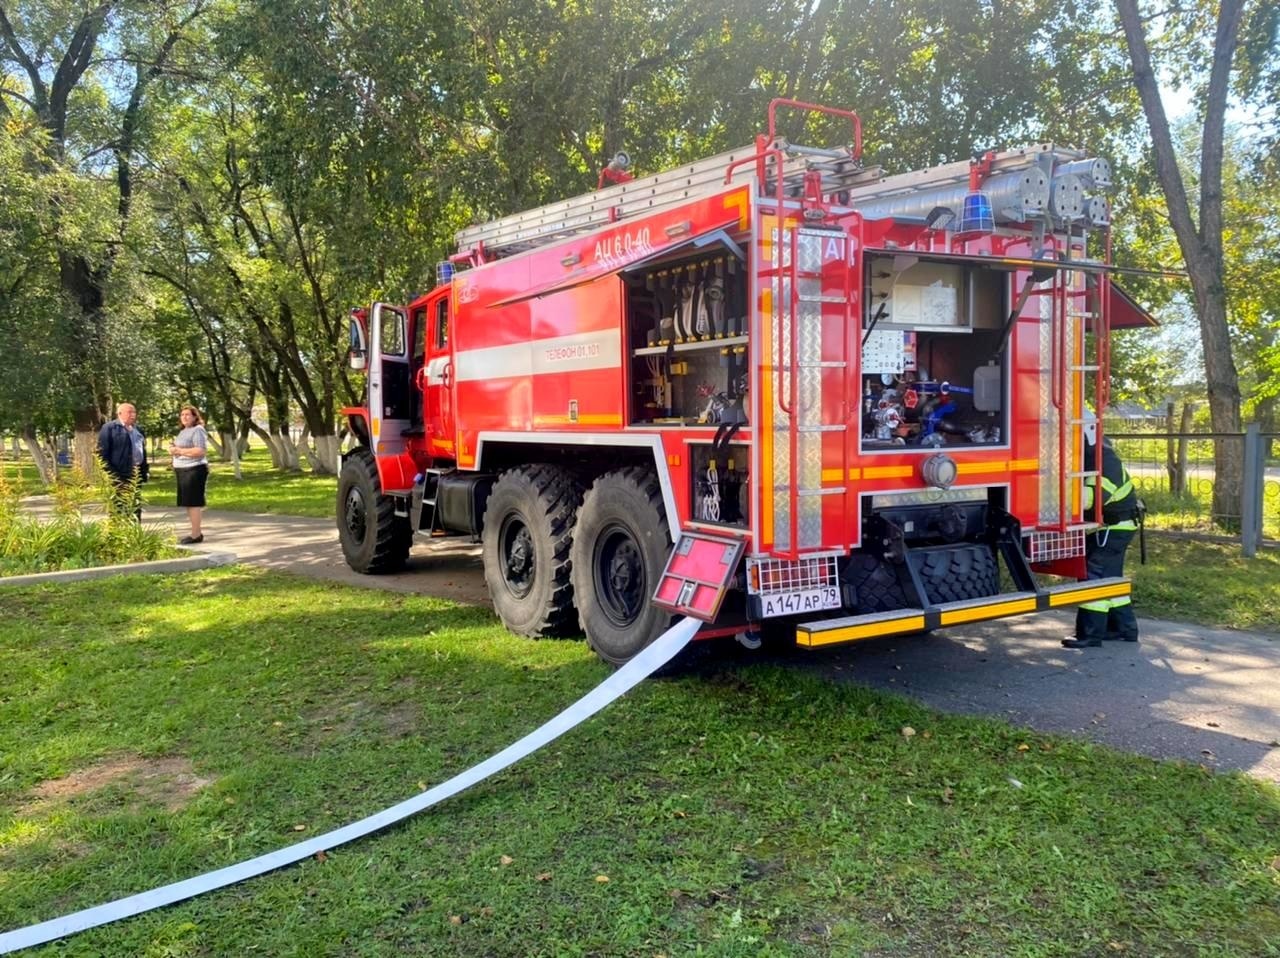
column 855, row 628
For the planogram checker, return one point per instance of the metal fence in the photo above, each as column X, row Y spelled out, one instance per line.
column 1175, row 474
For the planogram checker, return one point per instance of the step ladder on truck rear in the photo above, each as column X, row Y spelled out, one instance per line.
column 773, row 387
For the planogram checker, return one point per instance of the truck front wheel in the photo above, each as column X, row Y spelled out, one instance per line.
column 528, row 528
column 374, row 539
column 619, row 550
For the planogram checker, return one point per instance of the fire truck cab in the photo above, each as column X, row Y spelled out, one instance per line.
column 776, row 385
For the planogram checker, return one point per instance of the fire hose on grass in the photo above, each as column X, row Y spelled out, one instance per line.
column 659, row 653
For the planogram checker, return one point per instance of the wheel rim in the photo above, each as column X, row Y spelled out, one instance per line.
column 518, row 567
column 619, row 576
column 356, row 515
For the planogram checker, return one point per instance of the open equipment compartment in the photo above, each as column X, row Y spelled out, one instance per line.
column 719, row 476
column 935, row 367
column 687, row 336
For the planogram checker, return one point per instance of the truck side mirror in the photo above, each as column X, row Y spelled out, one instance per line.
column 357, row 349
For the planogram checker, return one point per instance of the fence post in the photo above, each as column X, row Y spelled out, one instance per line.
column 1251, row 494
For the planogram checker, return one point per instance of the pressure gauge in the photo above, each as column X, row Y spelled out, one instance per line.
column 887, row 378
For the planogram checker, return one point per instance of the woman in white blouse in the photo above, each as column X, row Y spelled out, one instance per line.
column 191, row 469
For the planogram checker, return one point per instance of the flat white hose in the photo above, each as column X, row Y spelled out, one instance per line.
column 656, row 655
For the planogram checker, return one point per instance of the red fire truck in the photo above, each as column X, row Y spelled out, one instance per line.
column 774, row 386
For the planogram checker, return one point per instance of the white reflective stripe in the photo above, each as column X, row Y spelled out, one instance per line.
column 599, row 349
column 659, row 653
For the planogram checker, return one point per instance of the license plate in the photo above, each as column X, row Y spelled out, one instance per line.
column 800, row 601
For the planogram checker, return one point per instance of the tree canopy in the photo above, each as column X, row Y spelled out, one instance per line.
column 193, row 193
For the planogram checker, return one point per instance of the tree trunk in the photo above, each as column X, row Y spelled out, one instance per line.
column 233, row 444
column 1177, row 453
column 288, row 452
column 327, row 451
column 1200, row 242
column 45, row 465
column 323, row 458
column 84, row 447
column 1223, row 383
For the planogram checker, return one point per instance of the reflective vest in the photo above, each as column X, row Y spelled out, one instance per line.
column 1119, row 500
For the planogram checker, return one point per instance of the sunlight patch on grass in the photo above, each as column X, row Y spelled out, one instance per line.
column 1208, row 583
column 260, row 489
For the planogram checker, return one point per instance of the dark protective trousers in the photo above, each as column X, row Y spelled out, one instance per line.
column 1114, row 618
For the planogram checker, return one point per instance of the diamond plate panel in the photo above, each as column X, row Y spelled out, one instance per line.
column 810, row 530
column 781, row 300
column 781, row 520
column 781, row 483
column 810, row 396
column 810, row 460
column 810, row 346
column 810, row 251
column 781, row 247
column 1049, row 497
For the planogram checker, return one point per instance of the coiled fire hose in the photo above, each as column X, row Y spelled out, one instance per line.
column 656, row 655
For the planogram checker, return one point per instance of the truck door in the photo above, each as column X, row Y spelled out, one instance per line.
column 390, row 389
column 437, row 380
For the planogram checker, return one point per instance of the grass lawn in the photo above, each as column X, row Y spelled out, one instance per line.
column 1210, row 583
column 22, row 474
column 260, row 488
column 150, row 732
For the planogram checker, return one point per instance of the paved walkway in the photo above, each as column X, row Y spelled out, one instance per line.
column 1208, row 696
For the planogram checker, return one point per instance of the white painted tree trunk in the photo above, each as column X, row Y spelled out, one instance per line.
column 232, row 443
column 325, row 459
column 288, row 451
column 45, row 464
column 85, row 451
column 321, row 452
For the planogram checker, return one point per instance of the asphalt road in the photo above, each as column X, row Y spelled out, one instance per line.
column 1207, row 696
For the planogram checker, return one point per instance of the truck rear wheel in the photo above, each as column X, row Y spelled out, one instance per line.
column 528, row 529
column 374, row 539
column 619, row 550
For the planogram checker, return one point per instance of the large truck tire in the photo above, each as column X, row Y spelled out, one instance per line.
column 528, row 530
column 620, row 548
column 959, row 572
column 880, row 585
column 374, row 539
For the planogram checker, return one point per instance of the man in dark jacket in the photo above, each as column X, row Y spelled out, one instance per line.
column 123, row 449
column 1106, row 546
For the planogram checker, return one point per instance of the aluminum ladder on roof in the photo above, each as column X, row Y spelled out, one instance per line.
column 1006, row 161
column 545, row 224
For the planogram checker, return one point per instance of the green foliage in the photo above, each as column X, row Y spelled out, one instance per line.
column 154, row 733
column 289, row 159
column 69, row 540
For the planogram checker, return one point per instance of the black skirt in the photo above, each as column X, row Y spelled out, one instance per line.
column 191, row 483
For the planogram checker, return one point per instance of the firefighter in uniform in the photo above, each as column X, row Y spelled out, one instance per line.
column 1105, row 547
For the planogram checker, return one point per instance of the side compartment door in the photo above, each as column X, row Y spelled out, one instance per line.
column 390, row 389
column 437, row 380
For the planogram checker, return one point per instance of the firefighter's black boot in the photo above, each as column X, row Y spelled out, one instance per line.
column 1122, row 624
column 1091, row 625
column 1081, row 643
